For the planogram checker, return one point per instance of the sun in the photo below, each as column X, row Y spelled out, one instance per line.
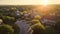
column 44, row 2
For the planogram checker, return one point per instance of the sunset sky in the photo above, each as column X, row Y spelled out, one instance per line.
column 28, row 2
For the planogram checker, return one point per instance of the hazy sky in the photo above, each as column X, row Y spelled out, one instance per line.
column 27, row 2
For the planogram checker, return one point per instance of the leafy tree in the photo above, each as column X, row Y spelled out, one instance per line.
column 37, row 30
column 57, row 26
column 16, row 29
column 6, row 29
column 37, row 23
column 49, row 31
column 8, row 20
column 37, row 27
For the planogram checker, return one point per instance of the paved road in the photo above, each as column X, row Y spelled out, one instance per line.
column 24, row 27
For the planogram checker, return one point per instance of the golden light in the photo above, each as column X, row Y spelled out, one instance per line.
column 44, row 6
column 44, row 10
column 44, row 2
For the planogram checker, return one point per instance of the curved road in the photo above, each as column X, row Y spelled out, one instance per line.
column 24, row 27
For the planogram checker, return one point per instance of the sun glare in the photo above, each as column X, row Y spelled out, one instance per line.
column 44, row 2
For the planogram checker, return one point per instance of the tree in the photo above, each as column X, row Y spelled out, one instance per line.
column 57, row 26
column 6, row 29
column 49, row 31
column 37, row 30
column 16, row 29
column 37, row 27
column 37, row 23
column 8, row 20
